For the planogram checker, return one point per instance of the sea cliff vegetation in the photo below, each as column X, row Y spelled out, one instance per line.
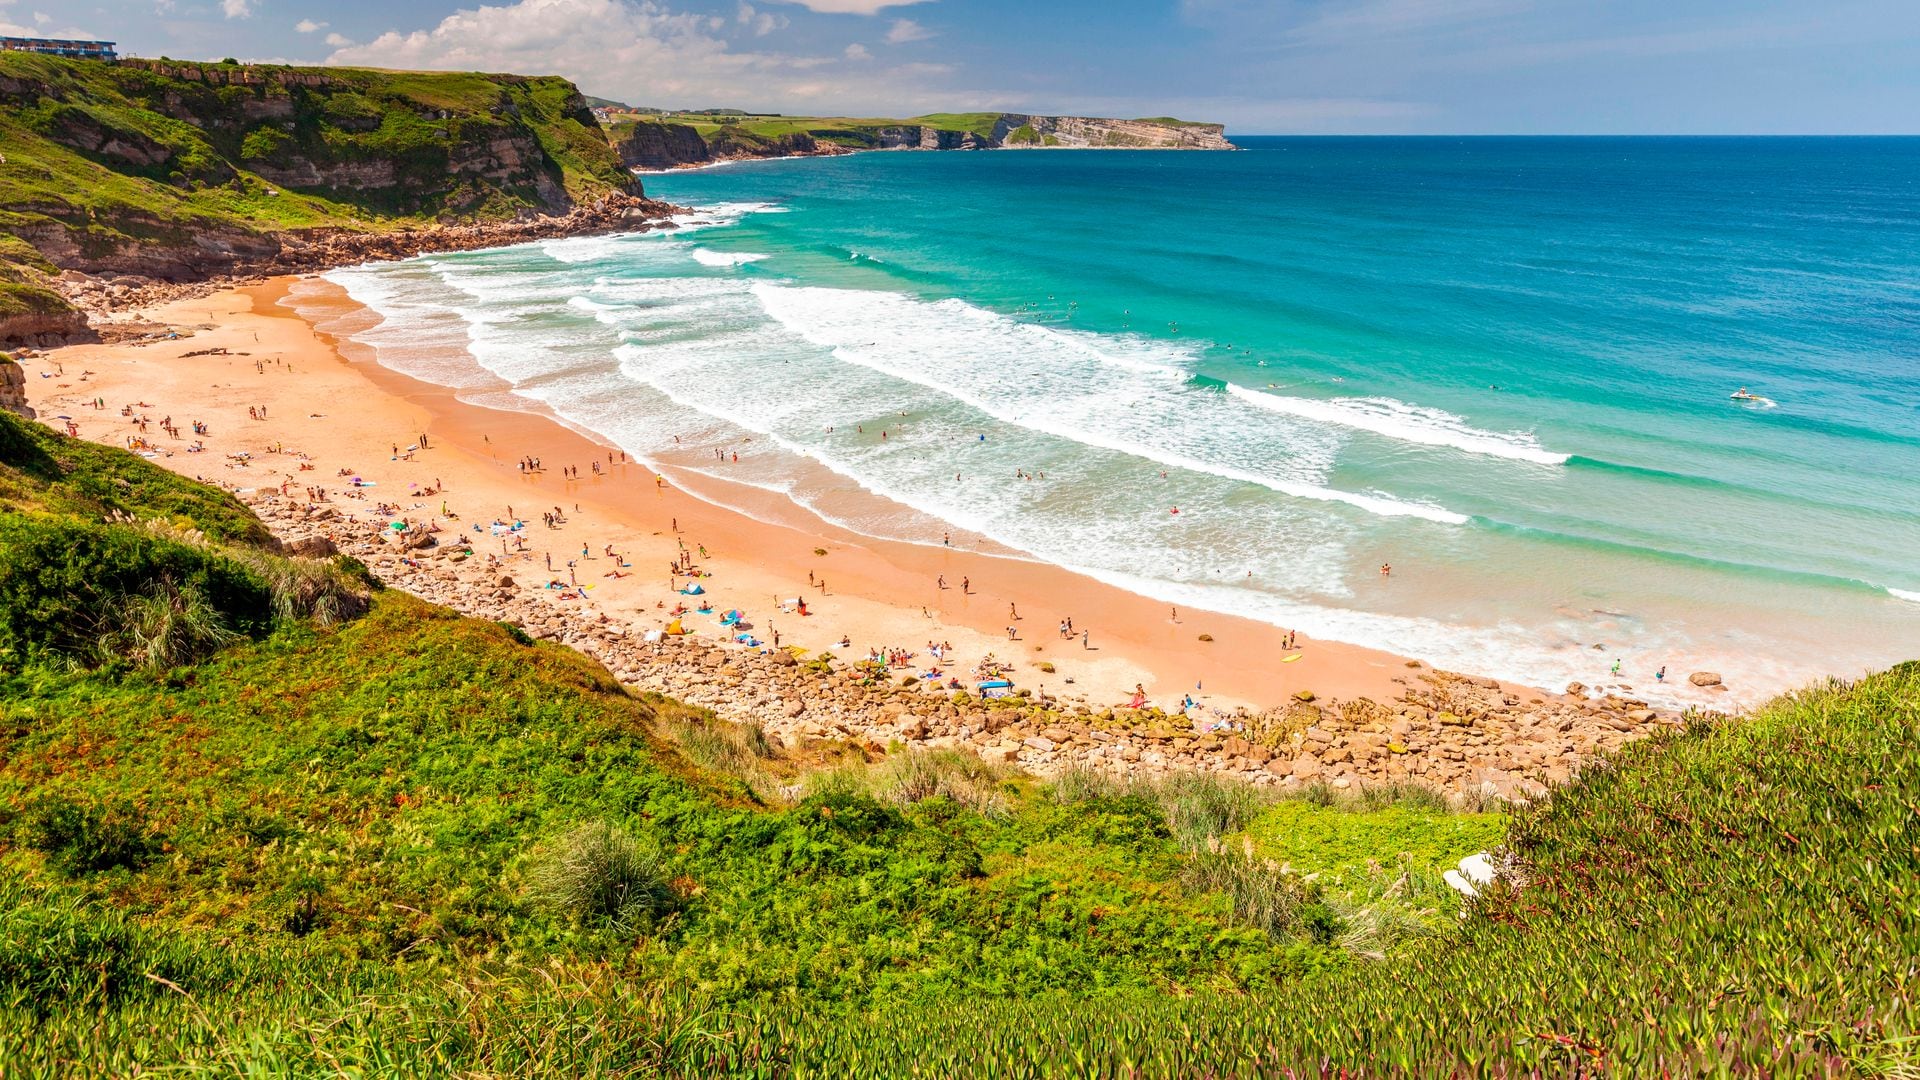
column 257, row 814
column 178, row 169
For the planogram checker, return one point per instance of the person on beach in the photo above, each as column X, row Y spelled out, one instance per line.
column 966, row 585
column 1661, row 675
column 1386, row 569
column 940, row 582
column 1616, row 665
column 1013, row 612
column 1086, row 637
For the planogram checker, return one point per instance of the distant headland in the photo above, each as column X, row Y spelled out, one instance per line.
column 660, row 139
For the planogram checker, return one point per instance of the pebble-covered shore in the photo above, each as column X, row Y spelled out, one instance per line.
column 1459, row 733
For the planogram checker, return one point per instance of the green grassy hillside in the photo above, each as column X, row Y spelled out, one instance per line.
column 147, row 166
column 368, row 836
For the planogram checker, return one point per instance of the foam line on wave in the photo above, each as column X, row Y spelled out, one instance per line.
column 1400, row 421
column 784, row 304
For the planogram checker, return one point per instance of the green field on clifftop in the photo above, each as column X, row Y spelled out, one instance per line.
column 121, row 164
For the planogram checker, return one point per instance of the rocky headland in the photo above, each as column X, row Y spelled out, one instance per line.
column 651, row 144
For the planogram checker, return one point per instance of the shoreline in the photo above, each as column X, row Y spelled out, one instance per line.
column 254, row 352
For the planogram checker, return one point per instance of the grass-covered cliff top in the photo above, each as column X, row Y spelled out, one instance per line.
column 247, row 831
column 150, row 165
column 773, row 127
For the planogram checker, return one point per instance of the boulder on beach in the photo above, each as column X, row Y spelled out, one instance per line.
column 1704, row 678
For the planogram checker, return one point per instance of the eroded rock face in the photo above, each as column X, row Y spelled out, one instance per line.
column 13, row 388
column 1020, row 130
column 660, row 146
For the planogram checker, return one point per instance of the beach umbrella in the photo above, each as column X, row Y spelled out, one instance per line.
column 398, row 526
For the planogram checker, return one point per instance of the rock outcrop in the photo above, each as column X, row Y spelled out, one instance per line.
column 1082, row 132
column 13, row 388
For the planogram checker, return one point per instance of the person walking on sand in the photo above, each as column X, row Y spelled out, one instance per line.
column 1013, row 612
column 1661, row 675
column 1616, row 665
column 966, row 585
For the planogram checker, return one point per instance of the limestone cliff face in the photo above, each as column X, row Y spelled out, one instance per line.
column 1018, row 131
column 13, row 388
column 923, row 137
column 660, row 146
column 649, row 145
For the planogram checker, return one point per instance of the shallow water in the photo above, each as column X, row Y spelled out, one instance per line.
column 1502, row 365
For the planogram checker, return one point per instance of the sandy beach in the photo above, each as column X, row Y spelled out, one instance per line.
column 348, row 413
column 326, row 443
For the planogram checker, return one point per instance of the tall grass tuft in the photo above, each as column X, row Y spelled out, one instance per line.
column 599, row 875
column 165, row 626
column 1203, row 806
column 918, row 775
column 1077, row 784
column 1262, row 893
column 319, row 590
column 741, row 751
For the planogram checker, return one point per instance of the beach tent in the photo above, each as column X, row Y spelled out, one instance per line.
column 732, row 616
column 675, row 628
column 693, row 590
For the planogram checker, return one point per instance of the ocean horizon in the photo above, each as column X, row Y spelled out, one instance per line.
column 1243, row 382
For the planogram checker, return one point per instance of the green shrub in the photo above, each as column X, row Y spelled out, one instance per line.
column 70, row 591
column 84, row 837
column 262, row 143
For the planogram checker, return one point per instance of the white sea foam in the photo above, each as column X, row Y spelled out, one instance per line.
column 725, row 259
column 1406, row 423
column 1040, row 379
column 638, row 338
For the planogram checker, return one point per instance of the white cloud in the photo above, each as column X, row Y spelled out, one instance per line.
column 308, row 26
column 236, row 9
column 857, row 51
column 639, row 50
column 338, row 41
column 905, row 30
column 41, row 18
column 760, row 22
column 851, row 7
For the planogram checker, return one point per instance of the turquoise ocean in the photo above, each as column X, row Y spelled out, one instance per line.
column 1503, row 366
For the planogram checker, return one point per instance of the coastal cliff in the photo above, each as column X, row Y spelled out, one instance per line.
column 656, row 143
column 13, row 388
column 1081, row 132
column 175, row 171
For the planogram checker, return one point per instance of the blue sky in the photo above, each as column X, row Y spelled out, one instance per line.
column 1260, row 66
